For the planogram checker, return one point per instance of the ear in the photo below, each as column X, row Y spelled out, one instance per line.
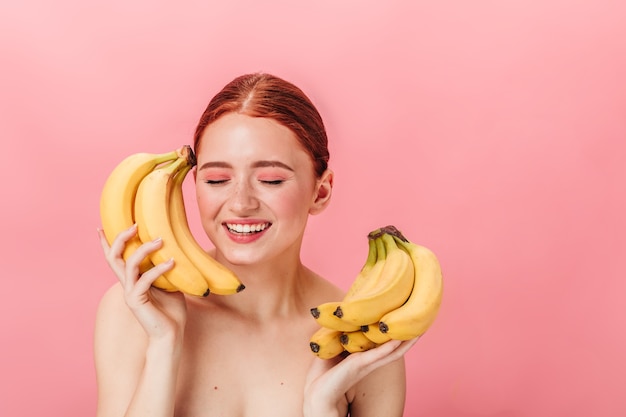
column 323, row 191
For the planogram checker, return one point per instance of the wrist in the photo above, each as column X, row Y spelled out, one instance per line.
column 314, row 408
column 322, row 412
column 163, row 347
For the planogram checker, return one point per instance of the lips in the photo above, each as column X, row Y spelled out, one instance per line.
column 247, row 228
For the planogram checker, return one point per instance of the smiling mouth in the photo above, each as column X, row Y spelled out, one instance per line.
column 246, row 229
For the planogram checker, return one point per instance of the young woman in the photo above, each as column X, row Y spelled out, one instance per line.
column 262, row 170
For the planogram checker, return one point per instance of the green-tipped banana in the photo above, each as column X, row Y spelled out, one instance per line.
column 412, row 319
column 392, row 288
column 323, row 313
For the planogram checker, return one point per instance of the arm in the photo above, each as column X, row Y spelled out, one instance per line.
column 138, row 339
column 135, row 375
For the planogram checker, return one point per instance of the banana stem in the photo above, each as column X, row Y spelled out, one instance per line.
column 391, row 230
column 185, row 151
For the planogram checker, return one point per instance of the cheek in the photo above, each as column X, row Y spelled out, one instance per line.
column 292, row 204
column 206, row 204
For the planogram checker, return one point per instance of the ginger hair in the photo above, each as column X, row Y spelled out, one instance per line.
column 265, row 95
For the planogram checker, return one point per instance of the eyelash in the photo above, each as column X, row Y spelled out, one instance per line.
column 268, row 182
column 273, row 182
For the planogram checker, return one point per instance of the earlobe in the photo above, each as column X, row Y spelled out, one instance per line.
column 323, row 192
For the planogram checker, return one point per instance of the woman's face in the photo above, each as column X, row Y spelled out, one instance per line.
column 255, row 187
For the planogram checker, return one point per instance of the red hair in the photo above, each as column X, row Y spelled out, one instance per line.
column 265, row 95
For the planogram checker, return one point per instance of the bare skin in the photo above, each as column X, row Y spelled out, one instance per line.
column 165, row 354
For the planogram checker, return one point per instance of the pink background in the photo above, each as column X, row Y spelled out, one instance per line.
column 492, row 132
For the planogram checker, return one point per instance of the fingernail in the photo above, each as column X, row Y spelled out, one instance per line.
column 157, row 240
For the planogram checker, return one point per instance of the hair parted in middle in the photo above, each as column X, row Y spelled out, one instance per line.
column 266, row 95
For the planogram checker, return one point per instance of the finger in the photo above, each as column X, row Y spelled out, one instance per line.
column 103, row 240
column 135, row 259
column 146, row 280
column 119, row 243
column 391, row 353
column 360, row 364
column 115, row 261
column 406, row 345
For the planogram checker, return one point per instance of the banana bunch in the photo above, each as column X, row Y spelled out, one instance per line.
column 147, row 189
column 396, row 295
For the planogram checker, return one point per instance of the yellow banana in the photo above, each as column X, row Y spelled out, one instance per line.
column 356, row 342
column 118, row 196
column 325, row 343
column 392, row 288
column 362, row 280
column 153, row 221
column 323, row 313
column 220, row 279
column 373, row 333
column 420, row 310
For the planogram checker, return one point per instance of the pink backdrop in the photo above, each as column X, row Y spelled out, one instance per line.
column 491, row 132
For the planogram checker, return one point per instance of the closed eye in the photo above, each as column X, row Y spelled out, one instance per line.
column 215, row 182
column 272, row 182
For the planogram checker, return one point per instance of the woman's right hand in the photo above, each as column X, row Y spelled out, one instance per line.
column 161, row 314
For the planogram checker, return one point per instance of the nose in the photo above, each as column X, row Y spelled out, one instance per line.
column 244, row 199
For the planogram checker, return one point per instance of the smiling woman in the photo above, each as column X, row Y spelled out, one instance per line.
column 262, row 170
column 253, row 171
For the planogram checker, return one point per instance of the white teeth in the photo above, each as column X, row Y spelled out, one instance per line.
column 246, row 228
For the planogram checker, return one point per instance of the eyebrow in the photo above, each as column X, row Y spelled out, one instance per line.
column 257, row 164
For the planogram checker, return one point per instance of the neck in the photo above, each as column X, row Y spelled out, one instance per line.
column 274, row 289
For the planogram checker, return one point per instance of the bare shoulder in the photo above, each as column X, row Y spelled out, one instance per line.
column 111, row 296
column 115, row 322
column 119, row 352
column 112, row 307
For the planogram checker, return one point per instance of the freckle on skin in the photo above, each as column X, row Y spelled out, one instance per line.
column 215, row 387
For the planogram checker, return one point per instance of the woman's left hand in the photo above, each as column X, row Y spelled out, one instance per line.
column 329, row 380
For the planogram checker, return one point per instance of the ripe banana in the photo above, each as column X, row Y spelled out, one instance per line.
column 153, row 221
column 375, row 251
column 325, row 343
column 118, row 196
column 420, row 310
column 373, row 333
column 397, row 296
column 356, row 342
column 219, row 279
column 323, row 313
column 393, row 287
